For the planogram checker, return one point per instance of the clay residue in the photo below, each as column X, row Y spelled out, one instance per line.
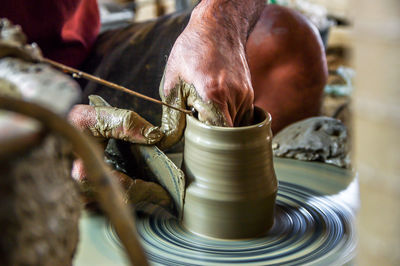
column 109, row 119
column 9, row 89
column 172, row 121
column 40, row 83
column 136, row 191
column 315, row 139
column 142, row 191
column 209, row 112
column 185, row 95
column 165, row 172
column 13, row 42
column 122, row 124
column 96, row 100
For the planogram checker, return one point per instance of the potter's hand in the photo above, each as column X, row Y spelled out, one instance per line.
column 207, row 68
column 102, row 120
column 135, row 191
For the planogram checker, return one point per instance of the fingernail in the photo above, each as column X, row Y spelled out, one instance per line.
column 152, row 134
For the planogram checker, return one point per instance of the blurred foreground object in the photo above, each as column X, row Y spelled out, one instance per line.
column 377, row 128
column 35, row 153
column 13, row 42
column 40, row 202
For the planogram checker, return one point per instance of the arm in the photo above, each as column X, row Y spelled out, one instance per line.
column 288, row 66
column 207, row 68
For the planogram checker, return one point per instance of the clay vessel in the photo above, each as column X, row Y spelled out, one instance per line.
column 232, row 183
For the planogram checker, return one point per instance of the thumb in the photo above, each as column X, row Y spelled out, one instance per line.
column 172, row 121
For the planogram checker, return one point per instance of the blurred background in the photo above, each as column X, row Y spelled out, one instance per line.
column 362, row 45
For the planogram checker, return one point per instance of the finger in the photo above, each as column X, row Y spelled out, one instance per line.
column 138, row 190
column 124, row 180
column 82, row 117
column 245, row 106
column 88, row 191
column 142, row 191
column 210, row 113
column 124, row 125
column 96, row 100
column 246, row 118
column 172, row 121
column 137, row 128
column 244, row 110
column 110, row 122
column 135, row 191
column 78, row 170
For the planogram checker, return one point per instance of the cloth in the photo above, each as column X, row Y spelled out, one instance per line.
column 65, row 30
column 134, row 56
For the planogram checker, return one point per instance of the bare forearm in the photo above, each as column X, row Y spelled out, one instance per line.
column 207, row 67
column 237, row 16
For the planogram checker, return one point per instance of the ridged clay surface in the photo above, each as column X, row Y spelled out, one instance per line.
column 232, row 183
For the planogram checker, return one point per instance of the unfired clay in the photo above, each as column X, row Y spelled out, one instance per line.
column 232, row 183
column 314, row 139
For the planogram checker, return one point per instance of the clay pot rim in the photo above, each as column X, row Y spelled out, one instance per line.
column 266, row 121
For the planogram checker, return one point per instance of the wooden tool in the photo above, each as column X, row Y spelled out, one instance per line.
column 79, row 74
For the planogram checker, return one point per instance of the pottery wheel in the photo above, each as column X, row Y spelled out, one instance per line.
column 314, row 224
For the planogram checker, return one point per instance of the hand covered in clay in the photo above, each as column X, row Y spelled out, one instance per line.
column 103, row 121
column 207, row 68
column 136, row 191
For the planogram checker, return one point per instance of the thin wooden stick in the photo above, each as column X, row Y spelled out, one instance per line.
column 79, row 74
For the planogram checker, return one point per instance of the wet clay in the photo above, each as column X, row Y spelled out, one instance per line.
column 156, row 165
column 135, row 191
column 118, row 123
column 173, row 122
column 13, row 42
column 320, row 138
column 232, row 183
column 9, row 89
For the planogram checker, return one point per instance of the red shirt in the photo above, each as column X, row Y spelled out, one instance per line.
column 65, row 30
